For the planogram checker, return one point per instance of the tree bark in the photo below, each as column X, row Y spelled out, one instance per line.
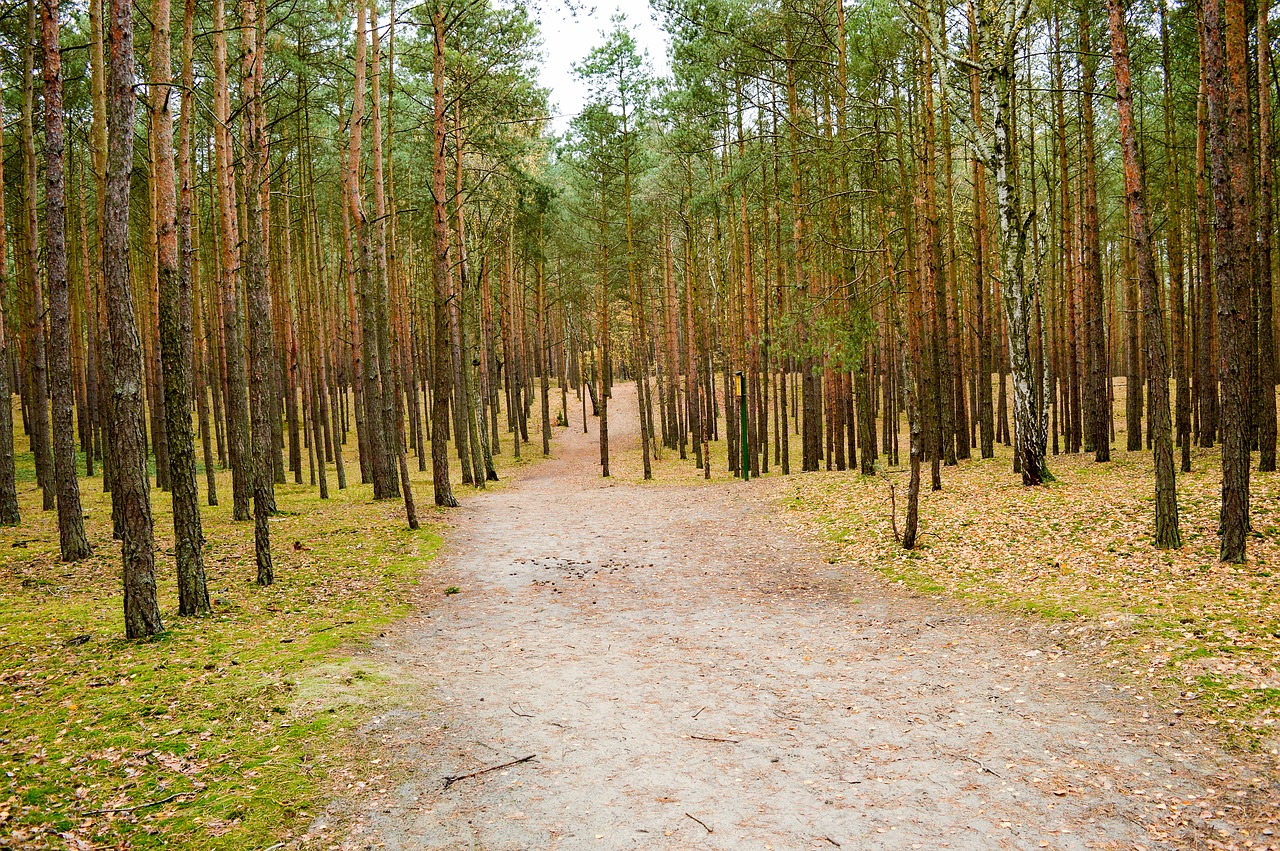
column 1206, row 363
column 441, row 366
column 174, row 259
column 1097, row 371
column 131, row 486
column 1166, row 521
column 1266, row 330
column 1228, row 109
column 390, row 388
column 9, row 512
column 72, row 542
column 1016, row 292
column 261, row 359
column 37, row 394
column 235, row 401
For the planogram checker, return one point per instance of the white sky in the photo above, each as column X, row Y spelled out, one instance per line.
column 568, row 38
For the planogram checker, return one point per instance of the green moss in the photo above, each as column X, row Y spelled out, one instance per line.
column 242, row 713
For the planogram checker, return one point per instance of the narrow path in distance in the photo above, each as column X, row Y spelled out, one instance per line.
column 690, row 676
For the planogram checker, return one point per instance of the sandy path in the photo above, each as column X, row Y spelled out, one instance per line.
column 605, row 627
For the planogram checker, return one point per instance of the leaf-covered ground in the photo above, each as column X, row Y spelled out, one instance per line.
column 225, row 731
column 1077, row 554
column 1079, row 551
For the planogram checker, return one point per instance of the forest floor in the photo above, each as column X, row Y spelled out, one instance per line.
column 224, row 731
column 664, row 665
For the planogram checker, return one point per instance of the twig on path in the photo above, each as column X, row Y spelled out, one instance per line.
column 829, row 839
column 979, row 763
column 454, row 778
column 699, row 712
column 172, row 797
column 520, row 714
column 713, row 739
column 700, row 821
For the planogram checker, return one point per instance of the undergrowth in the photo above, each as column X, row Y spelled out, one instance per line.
column 197, row 738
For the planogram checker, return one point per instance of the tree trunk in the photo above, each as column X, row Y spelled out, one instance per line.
column 1133, row 350
column 1228, row 110
column 1266, row 331
column 1206, row 363
column 986, row 412
column 71, row 538
column 375, row 433
column 175, row 302
column 1177, row 277
column 440, row 351
column 1016, row 292
column 1097, row 372
column 234, row 398
column 261, row 359
column 9, row 513
column 1166, row 525
column 390, row 388
column 131, row 486
column 37, row 395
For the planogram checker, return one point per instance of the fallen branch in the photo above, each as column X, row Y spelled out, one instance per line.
column 713, row 739
column 700, row 821
column 454, row 778
column 333, row 626
column 978, row 763
column 893, row 511
column 137, row 807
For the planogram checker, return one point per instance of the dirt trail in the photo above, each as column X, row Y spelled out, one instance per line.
column 690, row 676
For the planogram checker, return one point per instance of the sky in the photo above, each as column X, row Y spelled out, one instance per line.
column 568, row 37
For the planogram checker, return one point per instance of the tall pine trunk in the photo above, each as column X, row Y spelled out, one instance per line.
column 131, row 487
column 1097, row 369
column 441, row 365
column 1166, row 531
column 234, row 398
column 1228, row 107
column 37, row 392
column 9, row 513
column 72, row 542
column 1266, row 331
column 261, row 358
column 174, row 259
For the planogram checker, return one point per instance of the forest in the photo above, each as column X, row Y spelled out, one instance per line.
column 264, row 255
column 958, row 218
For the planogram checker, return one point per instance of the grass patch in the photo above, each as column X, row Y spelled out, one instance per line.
column 226, row 731
column 208, row 711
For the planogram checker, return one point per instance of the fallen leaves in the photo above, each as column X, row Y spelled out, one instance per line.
column 110, row 743
column 1078, row 553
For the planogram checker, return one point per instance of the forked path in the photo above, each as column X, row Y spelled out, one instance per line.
column 689, row 675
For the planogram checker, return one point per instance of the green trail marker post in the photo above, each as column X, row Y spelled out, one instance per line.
column 742, row 407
